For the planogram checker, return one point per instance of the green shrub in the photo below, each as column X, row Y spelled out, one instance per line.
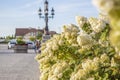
column 80, row 52
column 20, row 41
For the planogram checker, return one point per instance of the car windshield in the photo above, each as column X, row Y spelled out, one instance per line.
column 12, row 42
column 29, row 42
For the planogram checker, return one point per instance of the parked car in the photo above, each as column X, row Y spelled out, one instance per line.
column 11, row 44
column 2, row 40
column 31, row 44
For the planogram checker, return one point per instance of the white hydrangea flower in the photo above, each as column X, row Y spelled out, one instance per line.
column 104, row 58
column 54, row 77
column 101, row 25
column 59, row 67
column 80, row 75
column 105, row 43
column 90, row 65
column 74, row 28
column 43, row 76
column 57, row 37
column 87, row 65
column 81, row 20
column 65, row 29
column 117, row 55
column 95, row 65
column 70, row 28
column 58, row 70
column 44, row 60
column 49, row 45
column 50, row 53
column 113, row 63
column 97, row 25
column 60, row 42
column 96, row 59
column 73, row 34
column 104, row 18
column 85, row 40
column 60, row 75
column 93, row 34
column 52, row 67
column 91, row 78
column 70, row 41
column 44, row 51
column 67, row 35
column 55, row 47
column 42, row 47
column 43, row 44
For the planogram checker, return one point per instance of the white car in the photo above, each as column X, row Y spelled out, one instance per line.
column 31, row 44
column 11, row 44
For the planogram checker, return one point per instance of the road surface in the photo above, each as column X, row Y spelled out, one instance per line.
column 18, row 66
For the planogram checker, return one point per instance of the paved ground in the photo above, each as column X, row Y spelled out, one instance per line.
column 18, row 66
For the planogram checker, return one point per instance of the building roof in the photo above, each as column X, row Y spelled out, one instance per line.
column 23, row 31
column 52, row 32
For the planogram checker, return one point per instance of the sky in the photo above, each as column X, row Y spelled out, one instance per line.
column 24, row 14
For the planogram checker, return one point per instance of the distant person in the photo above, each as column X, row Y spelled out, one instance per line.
column 37, row 46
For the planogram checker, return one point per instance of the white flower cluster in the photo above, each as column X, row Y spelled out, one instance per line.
column 79, row 75
column 70, row 32
column 91, row 65
column 48, row 49
column 87, row 67
column 104, row 18
column 104, row 58
column 97, row 25
column 77, row 55
column 70, row 28
column 85, row 40
column 52, row 45
column 56, row 70
column 81, row 20
column 112, row 9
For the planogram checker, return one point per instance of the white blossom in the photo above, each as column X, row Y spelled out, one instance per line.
column 43, row 76
column 76, row 51
column 44, row 60
column 104, row 18
column 113, row 63
column 90, row 65
column 91, row 78
column 80, row 75
column 92, row 34
column 55, row 47
column 81, row 20
column 97, row 25
column 104, row 58
column 60, row 75
column 60, row 42
column 85, row 40
column 53, row 78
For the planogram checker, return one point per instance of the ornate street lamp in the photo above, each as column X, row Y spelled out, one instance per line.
column 46, row 16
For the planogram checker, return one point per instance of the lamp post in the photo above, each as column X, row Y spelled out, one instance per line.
column 46, row 16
